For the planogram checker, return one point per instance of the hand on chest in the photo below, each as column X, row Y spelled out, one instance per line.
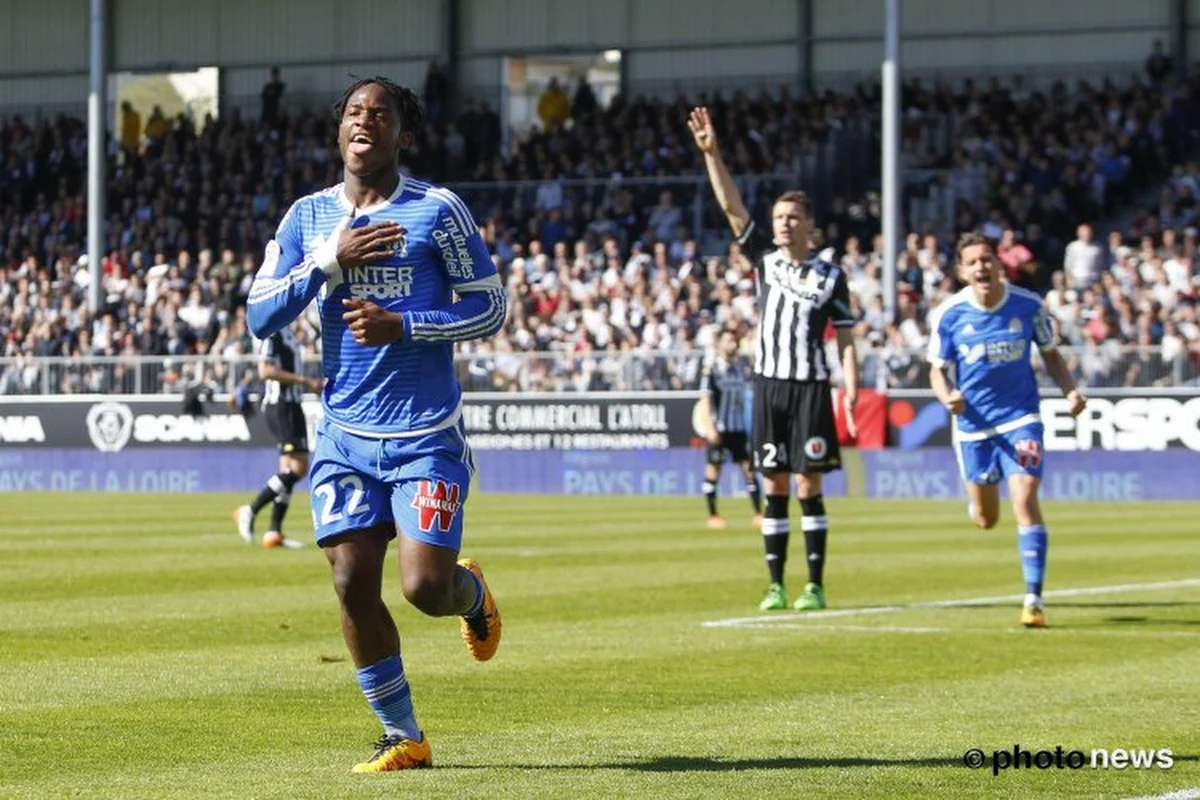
column 395, row 277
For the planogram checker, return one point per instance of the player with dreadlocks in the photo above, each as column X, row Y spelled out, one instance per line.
column 385, row 255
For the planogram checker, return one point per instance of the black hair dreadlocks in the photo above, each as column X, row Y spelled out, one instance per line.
column 411, row 113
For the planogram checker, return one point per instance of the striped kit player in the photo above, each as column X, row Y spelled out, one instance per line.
column 725, row 385
column 794, row 426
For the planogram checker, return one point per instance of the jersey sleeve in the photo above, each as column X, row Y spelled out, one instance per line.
column 941, row 339
column 289, row 280
column 839, row 302
column 482, row 305
column 755, row 241
column 1043, row 332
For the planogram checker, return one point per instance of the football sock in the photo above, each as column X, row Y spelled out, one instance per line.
column 279, row 511
column 710, row 496
column 775, row 535
column 477, row 604
column 755, row 494
column 816, row 531
column 386, row 689
column 276, row 485
column 1032, row 542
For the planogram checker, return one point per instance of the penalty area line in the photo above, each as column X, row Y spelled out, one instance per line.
column 770, row 620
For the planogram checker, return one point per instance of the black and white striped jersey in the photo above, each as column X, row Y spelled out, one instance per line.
column 795, row 303
column 726, row 383
column 282, row 350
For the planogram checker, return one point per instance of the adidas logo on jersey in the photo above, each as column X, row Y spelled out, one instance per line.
column 968, row 329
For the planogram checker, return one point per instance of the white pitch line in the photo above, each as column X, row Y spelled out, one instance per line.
column 1182, row 794
column 820, row 627
column 817, row 626
column 1122, row 588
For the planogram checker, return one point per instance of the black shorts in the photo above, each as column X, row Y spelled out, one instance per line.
column 289, row 427
column 734, row 446
column 794, row 427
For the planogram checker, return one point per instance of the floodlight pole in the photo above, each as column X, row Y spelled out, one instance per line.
column 890, row 180
column 97, row 112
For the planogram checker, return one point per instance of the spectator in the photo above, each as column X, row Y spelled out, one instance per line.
column 1158, row 64
column 272, row 96
column 436, row 94
column 1084, row 260
column 131, row 128
column 1020, row 268
column 554, row 107
column 584, row 103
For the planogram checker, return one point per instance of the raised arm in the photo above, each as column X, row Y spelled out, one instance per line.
column 728, row 196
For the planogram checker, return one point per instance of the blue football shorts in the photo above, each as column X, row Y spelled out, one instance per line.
column 1015, row 452
column 418, row 484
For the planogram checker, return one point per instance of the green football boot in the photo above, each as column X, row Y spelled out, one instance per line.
column 813, row 598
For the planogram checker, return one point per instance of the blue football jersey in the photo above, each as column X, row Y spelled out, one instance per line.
column 990, row 351
column 408, row 387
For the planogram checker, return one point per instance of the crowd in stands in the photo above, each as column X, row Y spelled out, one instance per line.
column 633, row 262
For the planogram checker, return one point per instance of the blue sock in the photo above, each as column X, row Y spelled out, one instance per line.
column 386, row 689
column 1031, row 540
column 477, row 606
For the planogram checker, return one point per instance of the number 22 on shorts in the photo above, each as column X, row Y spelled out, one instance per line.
column 328, row 492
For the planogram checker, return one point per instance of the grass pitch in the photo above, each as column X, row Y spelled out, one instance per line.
column 145, row 651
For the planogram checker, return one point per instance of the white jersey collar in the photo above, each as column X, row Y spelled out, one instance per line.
column 349, row 206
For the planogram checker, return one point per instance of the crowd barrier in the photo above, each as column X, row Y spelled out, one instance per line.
column 1126, row 446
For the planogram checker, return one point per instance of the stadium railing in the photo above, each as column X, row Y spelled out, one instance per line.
column 1115, row 366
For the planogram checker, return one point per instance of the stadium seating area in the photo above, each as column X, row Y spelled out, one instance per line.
column 609, row 241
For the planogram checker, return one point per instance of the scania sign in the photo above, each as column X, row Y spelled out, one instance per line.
column 112, row 426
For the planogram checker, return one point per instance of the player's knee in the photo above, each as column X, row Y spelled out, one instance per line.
column 985, row 519
column 808, row 485
column 429, row 594
column 777, row 483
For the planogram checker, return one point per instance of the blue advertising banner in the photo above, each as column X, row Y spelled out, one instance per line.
column 676, row 471
column 932, row 473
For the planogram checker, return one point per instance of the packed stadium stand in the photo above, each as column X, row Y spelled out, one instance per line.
column 606, row 234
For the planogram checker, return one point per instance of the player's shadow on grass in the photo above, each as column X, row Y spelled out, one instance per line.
column 694, row 764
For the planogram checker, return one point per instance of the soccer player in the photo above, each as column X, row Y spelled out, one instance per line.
column 725, row 383
column 984, row 332
column 794, row 427
column 385, row 256
column 284, row 414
